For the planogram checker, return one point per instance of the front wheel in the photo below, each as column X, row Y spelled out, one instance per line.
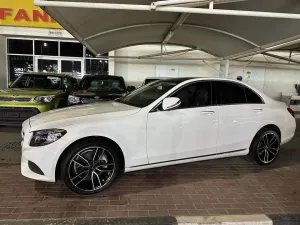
column 265, row 147
column 90, row 167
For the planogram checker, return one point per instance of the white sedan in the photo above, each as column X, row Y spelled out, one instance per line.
column 164, row 123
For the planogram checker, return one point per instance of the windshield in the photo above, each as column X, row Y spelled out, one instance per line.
column 103, row 84
column 36, row 81
column 149, row 93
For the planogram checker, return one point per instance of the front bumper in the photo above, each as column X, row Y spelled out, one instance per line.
column 15, row 114
column 45, row 158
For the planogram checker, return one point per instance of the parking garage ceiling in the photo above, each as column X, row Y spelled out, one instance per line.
column 226, row 36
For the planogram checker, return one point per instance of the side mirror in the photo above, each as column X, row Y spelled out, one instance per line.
column 170, row 103
column 131, row 88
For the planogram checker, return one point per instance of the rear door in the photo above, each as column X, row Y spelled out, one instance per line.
column 240, row 115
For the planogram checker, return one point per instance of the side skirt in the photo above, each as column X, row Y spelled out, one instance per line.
column 241, row 152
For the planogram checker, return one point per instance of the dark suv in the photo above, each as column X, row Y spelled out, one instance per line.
column 99, row 88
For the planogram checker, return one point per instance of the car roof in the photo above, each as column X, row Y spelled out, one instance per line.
column 158, row 78
column 47, row 74
column 181, row 79
column 103, row 76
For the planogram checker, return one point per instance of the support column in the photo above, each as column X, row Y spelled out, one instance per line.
column 3, row 64
column 111, row 63
column 226, row 71
column 224, row 68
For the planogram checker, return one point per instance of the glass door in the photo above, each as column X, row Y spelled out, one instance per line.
column 72, row 67
column 46, row 64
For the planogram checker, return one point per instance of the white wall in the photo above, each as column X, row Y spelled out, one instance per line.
column 272, row 78
column 268, row 79
column 135, row 71
column 3, row 64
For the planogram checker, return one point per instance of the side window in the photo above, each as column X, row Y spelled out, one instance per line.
column 22, row 83
column 194, row 95
column 228, row 93
column 252, row 97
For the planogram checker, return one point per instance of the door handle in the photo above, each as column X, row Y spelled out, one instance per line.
column 257, row 110
column 208, row 112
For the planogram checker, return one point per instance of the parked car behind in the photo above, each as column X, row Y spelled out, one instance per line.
column 33, row 93
column 99, row 88
column 149, row 80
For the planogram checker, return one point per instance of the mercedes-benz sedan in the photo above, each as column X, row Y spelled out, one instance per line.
column 163, row 123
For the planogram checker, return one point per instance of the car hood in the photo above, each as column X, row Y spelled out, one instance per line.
column 83, row 113
column 26, row 92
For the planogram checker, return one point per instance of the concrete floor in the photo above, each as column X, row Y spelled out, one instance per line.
column 216, row 187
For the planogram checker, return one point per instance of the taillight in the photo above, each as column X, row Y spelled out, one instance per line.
column 291, row 112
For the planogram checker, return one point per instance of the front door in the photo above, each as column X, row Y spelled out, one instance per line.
column 187, row 132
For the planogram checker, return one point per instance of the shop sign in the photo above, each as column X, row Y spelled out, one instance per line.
column 24, row 14
column 55, row 33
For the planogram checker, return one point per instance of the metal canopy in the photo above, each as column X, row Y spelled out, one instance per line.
column 231, row 30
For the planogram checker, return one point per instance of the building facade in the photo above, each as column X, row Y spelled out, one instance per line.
column 31, row 41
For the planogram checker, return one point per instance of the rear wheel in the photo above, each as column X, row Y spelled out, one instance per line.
column 91, row 167
column 265, row 146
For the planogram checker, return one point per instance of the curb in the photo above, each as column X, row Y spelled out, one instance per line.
column 225, row 220
column 260, row 219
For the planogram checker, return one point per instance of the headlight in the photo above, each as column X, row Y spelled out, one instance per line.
column 74, row 100
column 46, row 137
column 44, row 99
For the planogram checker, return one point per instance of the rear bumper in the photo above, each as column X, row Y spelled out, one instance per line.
column 289, row 132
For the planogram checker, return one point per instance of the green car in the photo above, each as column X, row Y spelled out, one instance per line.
column 34, row 93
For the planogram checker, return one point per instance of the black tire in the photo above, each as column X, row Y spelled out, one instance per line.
column 262, row 148
column 73, row 166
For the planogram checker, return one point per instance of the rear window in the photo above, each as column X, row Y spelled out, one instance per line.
column 229, row 93
column 114, row 84
column 252, row 97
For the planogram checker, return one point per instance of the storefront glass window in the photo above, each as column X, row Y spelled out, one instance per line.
column 96, row 67
column 56, row 56
column 71, row 67
column 47, row 65
column 17, row 65
column 71, row 49
column 20, row 46
column 46, row 48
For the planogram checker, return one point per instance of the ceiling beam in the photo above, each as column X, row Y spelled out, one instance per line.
column 188, row 3
column 179, row 21
column 91, row 5
column 266, row 48
column 169, row 53
column 163, row 58
column 281, row 57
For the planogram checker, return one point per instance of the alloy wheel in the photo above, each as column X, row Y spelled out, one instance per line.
column 91, row 169
column 268, row 147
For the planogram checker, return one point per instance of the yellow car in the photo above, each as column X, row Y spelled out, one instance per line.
column 34, row 93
